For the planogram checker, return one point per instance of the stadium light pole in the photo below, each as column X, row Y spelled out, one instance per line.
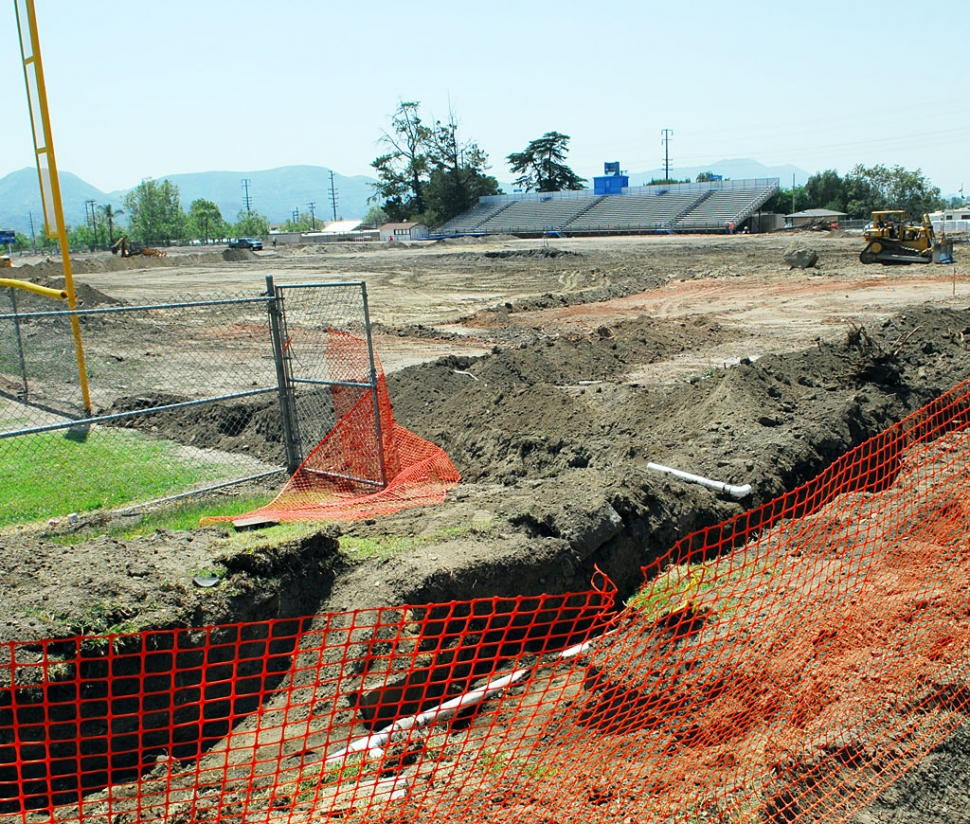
column 50, row 187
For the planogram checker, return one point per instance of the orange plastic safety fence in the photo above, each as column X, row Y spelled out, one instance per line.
column 367, row 465
column 785, row 666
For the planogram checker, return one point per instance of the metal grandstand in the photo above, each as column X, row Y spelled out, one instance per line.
column 716, row 206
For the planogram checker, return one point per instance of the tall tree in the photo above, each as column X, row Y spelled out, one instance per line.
column 430, row 173
column 458, row 175
column 205, row 220
column 155, row 214
column 541, row 166
column 403, row 171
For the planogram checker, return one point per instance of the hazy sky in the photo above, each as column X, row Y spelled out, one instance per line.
column 145, row 89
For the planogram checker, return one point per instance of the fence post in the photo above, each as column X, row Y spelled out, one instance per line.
column 291, row 431
column 373, row 383
column 20, row 343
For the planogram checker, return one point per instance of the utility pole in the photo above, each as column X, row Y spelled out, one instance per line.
column 666, row 141
column 90, row 218
column 313, row 221
column 793, row 193
column 247, row 200
column 33, row 239
column 333, row 196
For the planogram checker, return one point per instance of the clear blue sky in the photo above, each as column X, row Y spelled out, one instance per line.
column 145, row 89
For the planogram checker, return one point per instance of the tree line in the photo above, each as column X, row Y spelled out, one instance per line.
column 863, row 190
column 155, row 217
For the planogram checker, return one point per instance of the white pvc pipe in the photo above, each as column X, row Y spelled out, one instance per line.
column 720, row 486
column 374, row 744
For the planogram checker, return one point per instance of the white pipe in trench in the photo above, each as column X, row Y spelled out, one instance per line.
column 720, row 486
column 374, row 744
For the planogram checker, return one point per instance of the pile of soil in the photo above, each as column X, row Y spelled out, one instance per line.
column 553, row 445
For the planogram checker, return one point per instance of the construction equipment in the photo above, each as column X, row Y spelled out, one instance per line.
column 122, row 246
column 891, row 240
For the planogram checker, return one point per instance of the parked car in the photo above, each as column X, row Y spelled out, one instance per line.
column 246, row 243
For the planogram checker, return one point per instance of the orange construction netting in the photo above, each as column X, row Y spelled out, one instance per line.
column 367, row 465
column 785, row 665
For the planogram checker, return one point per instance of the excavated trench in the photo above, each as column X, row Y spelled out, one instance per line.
column 559, row 466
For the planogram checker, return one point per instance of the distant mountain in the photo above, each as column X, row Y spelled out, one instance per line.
column 736, row 169
column 20, row 198
column 274, row 193
column 277, row 193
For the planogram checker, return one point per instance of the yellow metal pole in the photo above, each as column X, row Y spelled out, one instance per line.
column 50, row 187
column 57, row 294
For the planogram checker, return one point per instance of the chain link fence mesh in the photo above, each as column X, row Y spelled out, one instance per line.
column 184, row 396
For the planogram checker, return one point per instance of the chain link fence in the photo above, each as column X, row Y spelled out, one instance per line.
column 184, row 397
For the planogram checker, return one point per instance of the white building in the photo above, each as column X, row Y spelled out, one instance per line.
column 951, row 220
column 404, row 231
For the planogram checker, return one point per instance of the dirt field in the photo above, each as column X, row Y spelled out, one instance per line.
column 551, row 373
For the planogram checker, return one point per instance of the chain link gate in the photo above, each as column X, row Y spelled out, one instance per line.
column 325, row 366
column 186, row 397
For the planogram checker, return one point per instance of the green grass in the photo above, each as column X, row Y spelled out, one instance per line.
column 672, row 590
column 48, row 475
column 178, row 515
column 492, row 763
column 187, row 513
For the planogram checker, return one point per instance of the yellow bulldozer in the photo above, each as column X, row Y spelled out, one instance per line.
column 892, row 240
column 122, row 246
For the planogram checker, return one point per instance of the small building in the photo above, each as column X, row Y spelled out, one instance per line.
column 814, row 217
column 404, row 231
column 613, row 181
column 955, row 219
column 348, row 231
column 341, row 227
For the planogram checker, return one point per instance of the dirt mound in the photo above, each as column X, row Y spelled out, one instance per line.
column 238, row 255
column 545, row 252
column 87, row 296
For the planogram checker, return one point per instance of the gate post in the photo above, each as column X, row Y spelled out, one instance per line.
column 291, row 430
column 373, row 383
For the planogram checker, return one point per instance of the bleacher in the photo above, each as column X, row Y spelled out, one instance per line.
column 685, row 207
column 627, row 213
column 530, row 217
column 725, row 207
column 468, row 222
